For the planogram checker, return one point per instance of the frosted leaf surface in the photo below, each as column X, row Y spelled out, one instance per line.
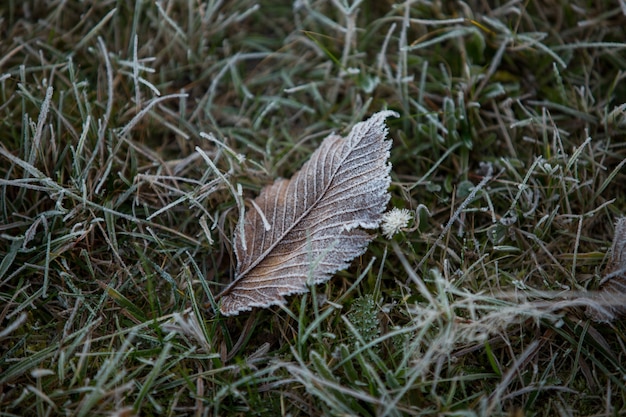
column 316, row 219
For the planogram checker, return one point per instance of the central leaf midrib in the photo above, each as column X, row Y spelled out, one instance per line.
column 298, row 220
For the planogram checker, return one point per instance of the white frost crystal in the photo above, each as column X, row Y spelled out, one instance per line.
column 395, row 220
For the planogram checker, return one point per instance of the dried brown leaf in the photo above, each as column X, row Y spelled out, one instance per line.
column 301, row 231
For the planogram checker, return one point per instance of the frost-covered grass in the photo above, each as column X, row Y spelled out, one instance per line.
column 132, row 132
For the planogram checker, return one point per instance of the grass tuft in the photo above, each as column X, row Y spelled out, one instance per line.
column 132, row 135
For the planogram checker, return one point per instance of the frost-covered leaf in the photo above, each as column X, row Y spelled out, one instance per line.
column 301, row 231
column 611, row 297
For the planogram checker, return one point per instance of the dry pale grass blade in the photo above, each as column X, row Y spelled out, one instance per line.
column 611, row 297
column 303, row 230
